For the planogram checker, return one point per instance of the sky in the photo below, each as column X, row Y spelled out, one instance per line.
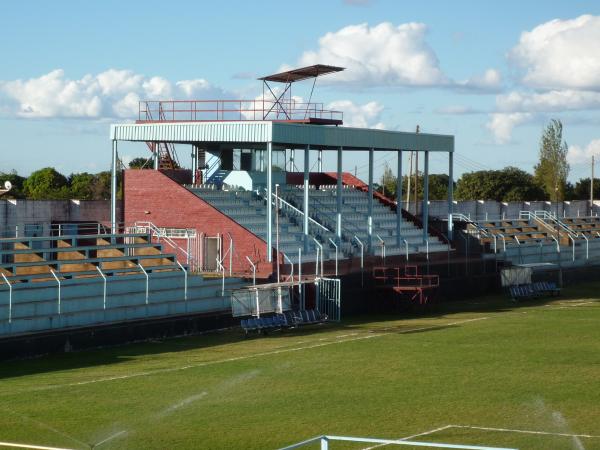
column 491, row 73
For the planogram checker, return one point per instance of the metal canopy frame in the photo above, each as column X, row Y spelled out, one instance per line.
column 283, row 104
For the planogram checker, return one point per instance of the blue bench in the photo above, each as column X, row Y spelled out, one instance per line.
column 289, row 319
column 533, row 290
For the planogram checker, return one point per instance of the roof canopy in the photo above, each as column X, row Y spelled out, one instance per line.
column 303, row 73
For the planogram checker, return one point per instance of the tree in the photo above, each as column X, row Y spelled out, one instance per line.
column 140, row 163
column 46, row 184
column 16, row 181
column 581, row 190
column 101, row 186
column 81, row 185
column 387, row 186
column 507, row 185
column 553, row 169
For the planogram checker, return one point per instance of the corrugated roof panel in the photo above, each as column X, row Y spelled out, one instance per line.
column 288, row 134
column 193, row 132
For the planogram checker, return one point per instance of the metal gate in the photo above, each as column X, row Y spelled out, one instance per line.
column 328, row 297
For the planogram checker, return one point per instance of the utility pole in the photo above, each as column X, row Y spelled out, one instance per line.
column 592, row 189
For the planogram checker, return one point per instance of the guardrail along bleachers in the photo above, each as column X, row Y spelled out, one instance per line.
column 323, row 208
column 249, row 209
column 56, row 282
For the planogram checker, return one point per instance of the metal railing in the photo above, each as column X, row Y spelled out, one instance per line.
column 232, row 110
column 290, row 210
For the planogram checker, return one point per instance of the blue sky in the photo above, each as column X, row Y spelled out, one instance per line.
column 491, row 73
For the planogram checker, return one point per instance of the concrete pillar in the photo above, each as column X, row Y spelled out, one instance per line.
column 292, row 159
column 425, row 216
column 306, row 180
column 370, row 209
column 450, row 193
column 269, row 201
column 156, row 161
column 338, row 194
column 194, row 163
column 399, row 201
column 113, row 188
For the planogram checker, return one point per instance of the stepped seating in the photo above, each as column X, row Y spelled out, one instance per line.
column 533, row 290
column 249, row 210
column 323, row 207
column 58, row 282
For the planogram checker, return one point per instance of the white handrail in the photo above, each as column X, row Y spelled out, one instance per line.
column 104, row 291
column 291, row 275
column 230, row 253
column 503, row 241
column 427, row 248
column 406, row 246
column 362, row 265
column 253, row 270
column 58, row 281
column 297, row 211
column 557, row 244
column 222, row 269
column 336, row 256
column 185, row 282
column 573, row 244
column 147, row 280
column 9, row 297
column 382, row 247
column 320, row 248
column 587, row 246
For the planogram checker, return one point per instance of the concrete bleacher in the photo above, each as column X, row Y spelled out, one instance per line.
column 60, row 282
column 249, row 209
column 322, row 207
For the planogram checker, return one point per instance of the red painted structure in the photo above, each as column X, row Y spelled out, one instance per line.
column 152, row 196
column 407, row 282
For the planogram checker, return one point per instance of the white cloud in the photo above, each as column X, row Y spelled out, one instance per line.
column 364, row 116
column 550, row 101
column 380, row 55
column 109, row 94
column 560, row 54
column 578, row 155
column 456, row 110
column 502, row 124
column 491, row 80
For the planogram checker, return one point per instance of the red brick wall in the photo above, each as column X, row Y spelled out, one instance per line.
column 152, row 196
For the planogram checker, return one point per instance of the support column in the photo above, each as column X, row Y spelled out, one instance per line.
column 156, row 162
column 425, row 216
column 450, row 193
column 269, row 202
column 194, row 163
column 292, row 159
column 338, row 196
column 306, row 180
column 113, row 188
column 399, row 201
column 320, row 161
column 370, row 204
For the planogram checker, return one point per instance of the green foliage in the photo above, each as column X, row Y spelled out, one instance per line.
column 438, row 185
column 140, row 163
column 507, row 185
column 552, row 170
column 46, row 184
column 581, row 190
column 81, row 185
column 17, row 184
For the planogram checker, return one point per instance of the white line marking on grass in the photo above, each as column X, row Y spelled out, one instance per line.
column 412, row 436
column 545, row 433
column 240, row 358
column 37, row 447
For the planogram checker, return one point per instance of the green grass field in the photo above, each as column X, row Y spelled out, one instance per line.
column 486, row 363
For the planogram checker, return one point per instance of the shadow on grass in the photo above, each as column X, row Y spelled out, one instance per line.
column 490, row 304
